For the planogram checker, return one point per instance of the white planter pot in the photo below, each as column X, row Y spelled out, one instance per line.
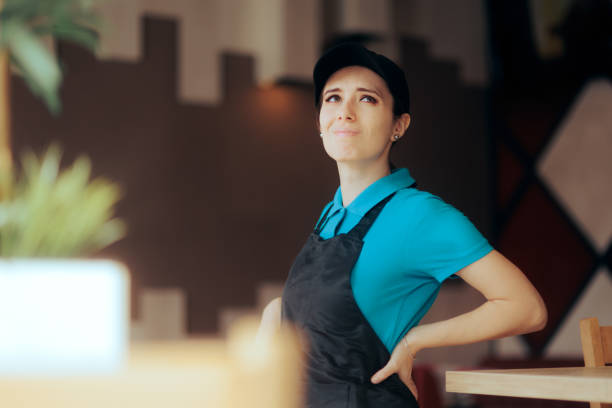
column 62, row 317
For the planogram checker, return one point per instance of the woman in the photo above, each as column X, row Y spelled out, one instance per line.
column 380, row 250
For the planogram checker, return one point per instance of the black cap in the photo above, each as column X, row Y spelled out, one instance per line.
column 349, row 54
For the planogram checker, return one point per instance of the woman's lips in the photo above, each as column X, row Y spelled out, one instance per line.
column 345, row 132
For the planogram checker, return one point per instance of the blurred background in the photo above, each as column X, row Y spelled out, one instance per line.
column 202, row 110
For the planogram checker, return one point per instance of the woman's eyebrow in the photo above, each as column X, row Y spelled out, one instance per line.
column 374, row 91
column 331, row 90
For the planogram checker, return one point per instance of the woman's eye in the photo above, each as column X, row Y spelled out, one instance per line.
column 332, row 98
column 368, row 98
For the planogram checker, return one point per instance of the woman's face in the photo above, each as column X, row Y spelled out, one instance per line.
column 356, row 117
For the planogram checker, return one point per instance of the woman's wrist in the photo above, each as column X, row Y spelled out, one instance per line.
column 407, row 347
column 409, row 343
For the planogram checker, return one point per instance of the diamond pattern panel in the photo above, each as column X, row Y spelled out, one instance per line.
column 595, row 301
column 509, row 174
column 513, row 347
column 577, row 165
column 531, row 121
column 540, row 240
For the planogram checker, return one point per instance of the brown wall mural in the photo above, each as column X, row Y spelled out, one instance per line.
column 218, row 199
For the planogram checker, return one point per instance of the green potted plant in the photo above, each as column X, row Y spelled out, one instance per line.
column 60, row 311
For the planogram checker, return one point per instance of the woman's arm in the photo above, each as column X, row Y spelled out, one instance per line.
column 513, row 306
column 270, row 319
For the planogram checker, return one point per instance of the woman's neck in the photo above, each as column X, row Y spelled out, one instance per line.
column 356, row 178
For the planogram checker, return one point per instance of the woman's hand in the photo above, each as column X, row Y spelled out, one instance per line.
column 400, row 362
column 513, row 307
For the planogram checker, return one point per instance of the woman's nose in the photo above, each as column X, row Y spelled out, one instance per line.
column 346, row 112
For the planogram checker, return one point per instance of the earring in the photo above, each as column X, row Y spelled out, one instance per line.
column 395, row 138
column 321, row 134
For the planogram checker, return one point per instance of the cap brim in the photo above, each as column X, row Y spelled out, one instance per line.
column 341, row 56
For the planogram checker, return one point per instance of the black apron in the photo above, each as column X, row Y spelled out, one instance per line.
column 343, row 351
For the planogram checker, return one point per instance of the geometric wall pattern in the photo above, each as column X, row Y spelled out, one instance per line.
column 285, row 36
column 162, row 315
column 578, row 169
column 511, row 347
column 595, row 300
column 281, row 35
column 577, row 164
column 554, row 201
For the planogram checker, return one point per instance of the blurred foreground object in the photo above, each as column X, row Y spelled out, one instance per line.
column 264, row 372
column 58, row 315
column 238, row 372
column 51, row 213
column 62, row 317
column 26, row 27
column 24, row 24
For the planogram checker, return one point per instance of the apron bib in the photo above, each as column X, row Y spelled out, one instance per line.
column 343, row 351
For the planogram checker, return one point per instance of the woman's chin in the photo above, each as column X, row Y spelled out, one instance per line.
column 344, row 159
column 342, row 154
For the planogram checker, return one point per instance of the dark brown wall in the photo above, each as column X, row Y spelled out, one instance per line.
column 220, row 198
column 447, row 145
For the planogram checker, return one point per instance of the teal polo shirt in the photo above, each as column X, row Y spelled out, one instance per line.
column 416, row 242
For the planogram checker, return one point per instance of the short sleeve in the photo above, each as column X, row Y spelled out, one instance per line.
column 444, row 240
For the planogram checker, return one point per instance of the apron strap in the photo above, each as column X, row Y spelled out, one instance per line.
column 362, row 228
column 323, row 220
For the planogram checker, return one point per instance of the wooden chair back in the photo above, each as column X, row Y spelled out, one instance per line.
column 596, row 347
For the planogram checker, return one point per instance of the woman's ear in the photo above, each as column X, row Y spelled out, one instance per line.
column 401, row 124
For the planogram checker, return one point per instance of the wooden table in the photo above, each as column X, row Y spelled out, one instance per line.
column 566, row 383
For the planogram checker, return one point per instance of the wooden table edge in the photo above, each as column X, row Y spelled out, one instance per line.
column 527, row 383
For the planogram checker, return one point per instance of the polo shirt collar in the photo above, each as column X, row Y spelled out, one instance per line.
column 376, row 192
